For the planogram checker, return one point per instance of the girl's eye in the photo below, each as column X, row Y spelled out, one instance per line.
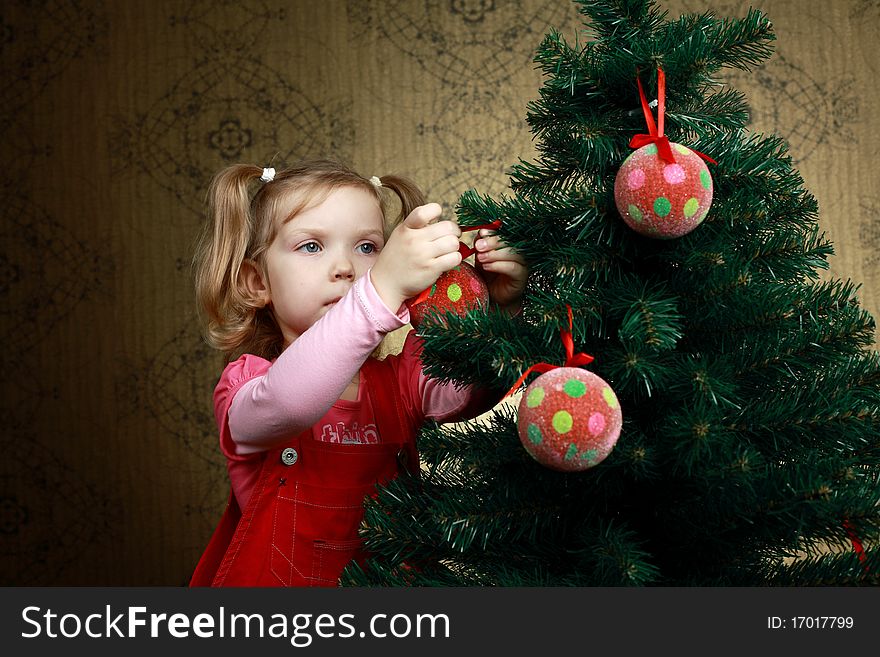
column 366, row 248
column 310, row 247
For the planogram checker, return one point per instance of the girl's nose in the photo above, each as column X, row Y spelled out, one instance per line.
column 343, row 269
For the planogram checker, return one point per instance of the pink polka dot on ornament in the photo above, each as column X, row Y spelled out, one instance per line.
column 674, row 174
column 596, row 423
column 635, row 179
column 477, row 286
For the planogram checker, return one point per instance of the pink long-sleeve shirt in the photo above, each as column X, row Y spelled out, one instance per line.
column 259, row 404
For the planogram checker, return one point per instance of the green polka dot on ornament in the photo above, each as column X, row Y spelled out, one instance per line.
column 609, row 397
column 574, row 388
column 590, row 456
column 535, row 397
column 562, row 421
column 535, row 434
column 705, row 179
column 684, row 150
column 691, row 207
column 453, row 292
column 635, row 213
column 650, row 149
column 662, row 206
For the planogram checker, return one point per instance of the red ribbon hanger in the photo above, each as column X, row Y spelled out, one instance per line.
column 655, row 130
column 465, row 251
column 571, row 359
column 858, row 548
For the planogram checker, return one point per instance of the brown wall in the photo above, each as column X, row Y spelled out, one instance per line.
column 114, row 116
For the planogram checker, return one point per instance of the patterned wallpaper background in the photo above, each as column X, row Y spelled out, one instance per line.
column 115, row 114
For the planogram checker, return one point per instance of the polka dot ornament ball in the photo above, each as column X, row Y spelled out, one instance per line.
column 458, row 290
column 662, row 200
column 569, row 419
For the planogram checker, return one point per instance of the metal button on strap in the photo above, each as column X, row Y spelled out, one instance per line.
column 289, row 456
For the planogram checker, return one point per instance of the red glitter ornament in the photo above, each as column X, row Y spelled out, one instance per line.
column 569, row 419
column 458, row 290
column 663, row 199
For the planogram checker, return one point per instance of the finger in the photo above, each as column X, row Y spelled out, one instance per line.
column 513, row 270
column 447, row 227
column 443, row 245
column 423, row 215
column 441, row 229
column 490, row 243
column 486, row 243
column 448, row 261
column 498, row 255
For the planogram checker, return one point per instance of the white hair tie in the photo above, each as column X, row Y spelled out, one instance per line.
column 268, row 175
column 376, row 181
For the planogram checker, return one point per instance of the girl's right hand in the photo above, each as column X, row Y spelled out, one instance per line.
column 416, row 253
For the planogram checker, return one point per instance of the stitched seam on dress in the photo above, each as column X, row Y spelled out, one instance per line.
column 281, row 555
column 275, row 547
column 293, row 540
column 324, row 506
column 274, row 544
column 319, row 563
column 340, row 548
column 325, row 546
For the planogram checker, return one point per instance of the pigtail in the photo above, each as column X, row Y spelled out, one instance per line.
column 226, row 309
column 409, row 194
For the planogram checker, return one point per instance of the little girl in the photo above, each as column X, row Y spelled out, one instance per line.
column 302, row 282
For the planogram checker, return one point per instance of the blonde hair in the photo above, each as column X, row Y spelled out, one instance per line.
column 240, row 228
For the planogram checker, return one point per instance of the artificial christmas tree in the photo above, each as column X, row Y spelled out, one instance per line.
column 750, row 397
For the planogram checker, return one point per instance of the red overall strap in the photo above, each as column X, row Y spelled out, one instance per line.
column 394, row 423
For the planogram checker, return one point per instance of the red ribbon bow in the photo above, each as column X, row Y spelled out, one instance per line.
column 464, row 250
column 571, row 359
column 656, row 136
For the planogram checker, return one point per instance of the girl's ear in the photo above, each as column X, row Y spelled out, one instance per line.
column 254, row 282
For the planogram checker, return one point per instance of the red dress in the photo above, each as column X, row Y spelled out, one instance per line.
column 300, row 525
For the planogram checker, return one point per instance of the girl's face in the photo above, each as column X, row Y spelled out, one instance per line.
column 316, row 257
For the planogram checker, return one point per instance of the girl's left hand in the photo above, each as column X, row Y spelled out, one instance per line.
column 503, row 269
